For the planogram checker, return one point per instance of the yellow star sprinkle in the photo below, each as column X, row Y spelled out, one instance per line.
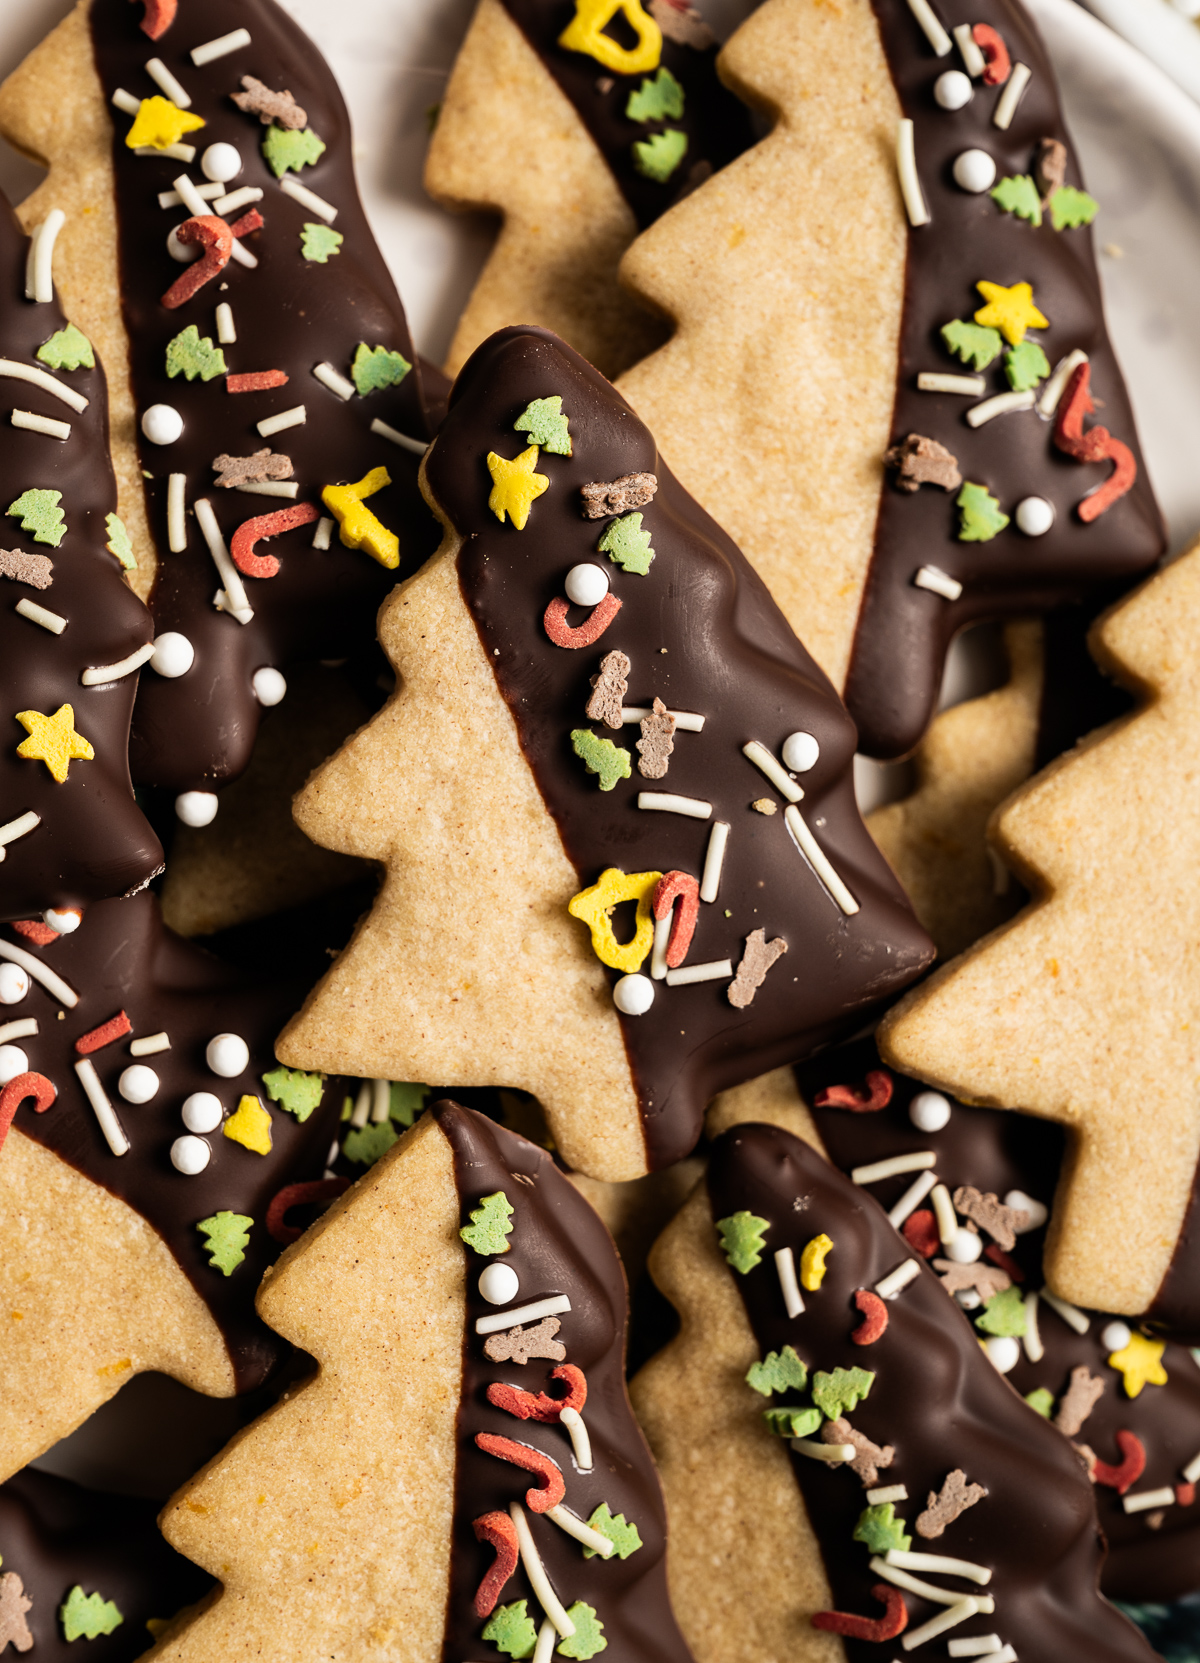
column 585, row 33
column 250, row 1125
column 53, row 740
column 160, row 124
column 1141, row 1364
column 1011, row 311
column 594, row 906
column 515, row 485
column 360, row 529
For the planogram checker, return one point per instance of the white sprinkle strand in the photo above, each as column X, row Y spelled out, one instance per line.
column 658, row 952
column 308, row 199
column 685, row 720
column 668, row 802
column 23, row 1028
column 41, row 615
column 126, row 102
column 162, row 77
column 150, row 1045
column 362, row 1107
column 96, row 1095
column 543, row 1652
column 41, row 424
column 1032, row 1339
column 39, row 262
column 240, row 198
column 501, row 1321
column 789, row 1287
column 189, row 195
column 243, row 256
column 103, row 673
column 418, row 447
column 323, row 533
column 914, row 1585
column 931, row 27
column 912, row 1198
column 893, row 1167
column 1006, row 104
column 574, row 1526
column 1146, row 1499
column 974, row 1645
column 39, row 378
column 716, row 970
column 999, row 406
column 823, row 1452
column 714, row 860
column 885, row 1493
column 536, row 1572
column 937, row 582
column 20, row 827
column 381, row 1101
column 172, row 199
column 1057, row 384
column 176, row 513
column 270, row 488
column 943, row 1211
column 1192, row 1471
column 906, row 166
column 974, row 63
column 1071, row 1314
column 175, row 152
column 226, row 328
column 329, row 377
column 971, row 386
column 818, row 860
column 230, row 576
column 295, row 417
column 897, row 1280
column 54, row 985
column 940, row 1563
column 950, row 1618
column 763, row 760
column 220, row 48
column 581, row 1444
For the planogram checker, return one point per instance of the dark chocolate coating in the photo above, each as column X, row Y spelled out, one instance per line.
column 123, row 958
column 903, row 632
column 705, row 636
column 716, row 123
column 93, row 840
column 290, row 314
column 997, row 1151
column 939, row 1401
column 55, row 1534
column 557, row 1245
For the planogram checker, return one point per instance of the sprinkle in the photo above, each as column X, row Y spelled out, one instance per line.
column 893, row 1621
column 543, row 1651
column 686, row 721
column 496, row 1529
column 41, row 424
column 716, row 971
column 1096, row 445
column 259, row 381
column 893, row 1166
column 669, row 803
column 974, row 1645
column 823, row 1452
column 53, row 740
column 381, row 1101
column 974, row 63
column 329, row 377
column 972, row 386
column 888, row 1492
column 657, row 743
column 253, row 221
column 670, row 888
column 261, row 467
column 161, row 75
column 308, row 199
column 574, row 1526
column 251, row 532
column 175, row 152
column 20, row 827
column 951, row 1502
column 271, row 488
column 1006, row 104
column 897, row 1280
column 250, row 1125
column 910, row 184
column 319, row 243
column 912, row 1198
column 1032, row 1340
column 785, row 1268
column 105, row 1113
column 500, row 1320
column 16, row 1091
column 235, row 590
column 215, row 239
column 714, row 860
column 954, row 1614
column 536, row 1572
column 270, row 425
column 33, row 569
column 875, row 1318
column 1071, row 1314
column 103, row 673
column 206, row 193
column 106, row 1034
column 240, row 198
column 609, row 686
column 586, row 634
column 149, row 1045
column 1077, row 1403
column 323, row 533
column 39, row 272
column 998, row 406
column 190, row 197
column 818, row 860
column 48, row 384
column 618, row 496
column 926, row 1590
column 128, row 105
column 937, row 581
column 762, row 759
column 310, row 1193
column 1191, row 1473
column 1146, row 1499
column 581, row 1444
column 878, row 1094
column 758, row 956
column 1054, row 389
column 1131, row 1468
column 418, row 447
column 943, row 1208
column 932, row 29
column 359, row 527
column 997, row 63
column 1139, row 1361
column 939, row 1562
column 260, row 100
column 923, row 461
column 41, row 615
column 176, row 513
column 40, row 934
column 226, row 329
column 812, row 1262
column 514, row 1400
column 23, row 1028
column 220, row 48
column 868, row 1457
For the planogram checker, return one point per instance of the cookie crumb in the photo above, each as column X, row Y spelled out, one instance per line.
column 682, row 23
column 922, row 461
column 617, row 496
column 763, row 805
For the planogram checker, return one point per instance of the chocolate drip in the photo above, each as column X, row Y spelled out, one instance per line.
column 290, row 314
column 938, row 1400
column 903, row 632
column 93, row 840
column 123, row 958
column 704, row 635
column 717, row 125
column 55, row 1535
column 997, row 1151
column 557, row 1246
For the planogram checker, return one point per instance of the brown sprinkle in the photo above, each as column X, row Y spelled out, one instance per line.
column 985, row 1279
column 988, row 1211
column 1154, row 1520
column 632, row 490
column 609, row 690
column 657, row 742
column 682, row 24
column 260, row 100
column 251, row 470
column 14, row 1603
column 1078, row 1400
column 1050, row 167
column 921, row 461
column 942, row 1508
column 870, row 1458
column 518, row 1345
column 33, row 569
column 758, row 957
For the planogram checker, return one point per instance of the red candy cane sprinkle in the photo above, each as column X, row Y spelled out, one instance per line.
column 874, row 1317
column 498, row 1531
column 300, row 1195
column 18, row 1089
column 681, row 887
column 1005, row 1260
column 253, row 221
column 532, row 1460
column 920, row 1231
column 1096, row 445
column 999, row 64
column 215, row 239
column 115, row 1028
column 160, row 14
column 894, row 1620
column 526, row 1406
column 40, row 934
column 598, row 620
column 878, row 1095
column 1185, row 1494
column 250, row 532
column 256, row 381
column 1133, row 1464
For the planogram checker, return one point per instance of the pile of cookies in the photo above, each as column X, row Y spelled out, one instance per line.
column 370, row 859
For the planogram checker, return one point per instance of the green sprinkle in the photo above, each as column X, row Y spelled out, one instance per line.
column 546, row 425
column 976, row 344
column 981, row 515
column 510, row 1629
column 742, row 1239
column 288, row 149
column 792, row 1423
column 405, row 1101
column 1041, row 1401
column 779, row 1371
column 588, row 1637
column 118, row 541
column 489, row 1225
column 1003, row 1313
column 837, row 1393
column 1025, row 366
column 294, row 1090
column 624, row 1537
column 68, row 349
column 627, row 544
column 656, row 99
column 1019, row 195
column 87, row 1616
column 365, row 1144
column 193, row 354
column 318, row 242
column 658, row 156
column 228, row 1236
column 347, row 1107
column 880, row 1529
column 39, row 513
column 601, row 756
column 1069, row 208
column 377, row 367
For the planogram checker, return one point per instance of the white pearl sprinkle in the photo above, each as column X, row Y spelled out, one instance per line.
column 633, row 995
column 1003, row 1351
column 969, row 1298
column 1035, row 516
column 174, row 654
column 221, row 163
column 196, row 808
column 185, row 253
column 13, row 1061
column 1115, row 1336
column 929, row 1111
column 162, row 424
column 190, row 1155
column 1022, row 1203
column 14, row 984
column 800, row 752
column 269, row 685
column 138, row 1084
column 202, row 1112
column 953, row 89
column 974, row 171
column 63, row 921
column 964, row 1247
column 499, row 1284
column 587, row 584
column 227, row 1055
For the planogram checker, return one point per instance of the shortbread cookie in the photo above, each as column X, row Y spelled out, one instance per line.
column 467, row 1444
column 82, row 1565
column 71, row 635
column 776, row 921
column 143, row 1175
column 1081, row 1010
column 265, row 419
column 578, row 141
column 955, row 1511
column 884, row 517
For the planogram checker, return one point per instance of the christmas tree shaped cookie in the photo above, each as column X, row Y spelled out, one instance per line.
column 497, row 1499
column 885, row 389
column 266, row 405
column 660, row 883
column 72, row 637
column 868, row 1477
column 1080, row 1011
column 579, row 141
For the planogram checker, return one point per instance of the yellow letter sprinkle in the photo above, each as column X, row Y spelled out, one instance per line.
column 812, row 1262
column 250, row 1125
column 585, row 33
column 595, row 907
column 160, row 124
column 359, row 527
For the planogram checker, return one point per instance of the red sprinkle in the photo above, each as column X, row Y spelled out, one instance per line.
column 16, row 1091
column 40, row 934
column 1133, row 1464
column 1096, row 445
column 875, row 1317
column 298, row 1195
column 999, row 1257
column 160, row 14
column 527, row 1406
column 498, row 1530
column 878, row 1094
column 999, row 64
column 681, row 887
column 216, row 240
column 894, row 1620
column 255, row 381
column 250, row 532
column 115, row 1028
column 532, row 1460
column 253, row 221
column 561, row 633
column 1185, row 1494
column 920, row 1231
